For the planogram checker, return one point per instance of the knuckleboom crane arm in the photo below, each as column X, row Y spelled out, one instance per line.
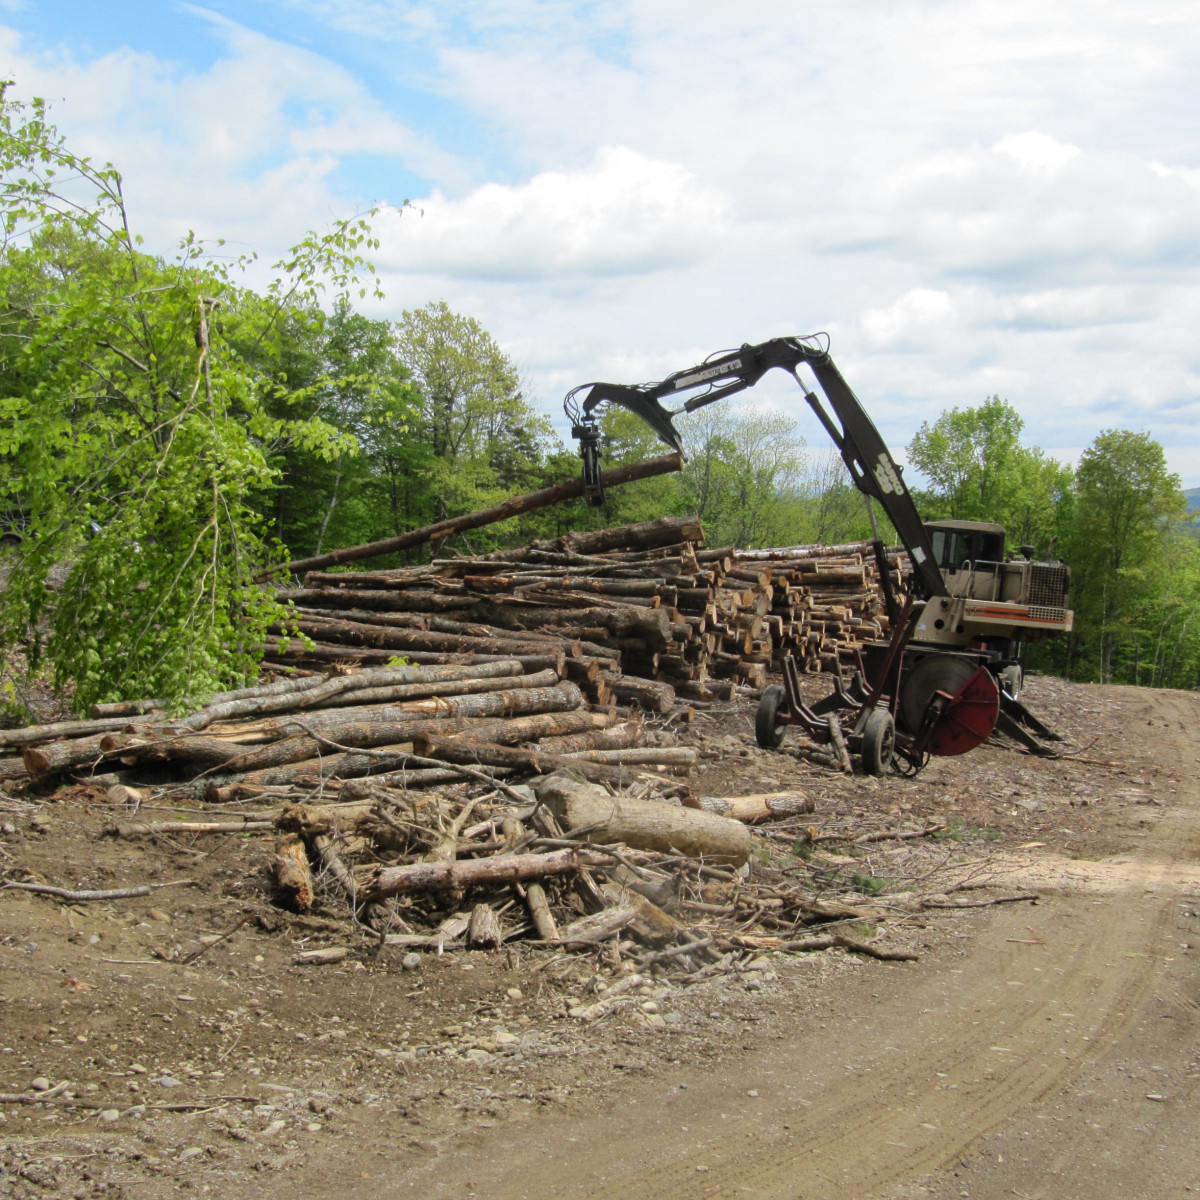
column 874, row 472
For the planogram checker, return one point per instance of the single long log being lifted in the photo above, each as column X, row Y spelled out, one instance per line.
column 558, row 494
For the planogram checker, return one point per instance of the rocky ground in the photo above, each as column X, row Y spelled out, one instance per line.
column 240, row 1072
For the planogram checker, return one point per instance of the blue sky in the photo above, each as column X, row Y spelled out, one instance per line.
column 971, row 197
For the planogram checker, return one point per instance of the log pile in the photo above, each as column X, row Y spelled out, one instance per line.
column 638, row 615
column 352, row 729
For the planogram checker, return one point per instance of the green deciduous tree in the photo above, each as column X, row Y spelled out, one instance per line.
column 1125, row 501
column 744, row 476
column 483, row 439
column 979, row 471
column 134, row 431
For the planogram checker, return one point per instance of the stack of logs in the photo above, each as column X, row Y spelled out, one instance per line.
column 635, row 615
column 407, row 726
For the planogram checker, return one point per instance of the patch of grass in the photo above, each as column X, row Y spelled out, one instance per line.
column 869, row 885
column 958, row 830
column 863, row 930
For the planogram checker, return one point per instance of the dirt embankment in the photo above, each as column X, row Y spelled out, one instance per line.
column 1040, row 1049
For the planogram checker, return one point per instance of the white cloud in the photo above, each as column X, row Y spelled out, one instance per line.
column 246, row 149
column 1036, row 151
column 624, row 213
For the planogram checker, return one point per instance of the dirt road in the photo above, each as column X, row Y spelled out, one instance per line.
column 1054, row 1057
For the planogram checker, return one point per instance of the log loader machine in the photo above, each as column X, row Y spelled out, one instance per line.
column 950, row 672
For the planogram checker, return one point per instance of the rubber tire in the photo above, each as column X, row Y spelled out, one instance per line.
column 767, row 731
column 1011, row 681
column 878, row 742
column 937, row 673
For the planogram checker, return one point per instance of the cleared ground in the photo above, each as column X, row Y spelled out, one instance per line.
column 1044, row 1049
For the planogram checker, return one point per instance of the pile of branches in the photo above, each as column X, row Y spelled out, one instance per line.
column 558, row 862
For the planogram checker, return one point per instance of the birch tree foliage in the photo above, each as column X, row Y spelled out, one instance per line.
column 134, row 428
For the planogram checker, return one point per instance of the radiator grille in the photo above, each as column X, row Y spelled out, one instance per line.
column 1042, row 612
column 1048, row 586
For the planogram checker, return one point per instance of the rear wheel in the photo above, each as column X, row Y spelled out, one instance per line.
column 767, row 730
column 878, row 742
column 937, row 673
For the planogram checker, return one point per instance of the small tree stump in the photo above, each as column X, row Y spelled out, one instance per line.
column 484, row 931
column 293, row 875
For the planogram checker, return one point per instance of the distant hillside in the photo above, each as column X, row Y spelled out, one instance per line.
column 1193, row 498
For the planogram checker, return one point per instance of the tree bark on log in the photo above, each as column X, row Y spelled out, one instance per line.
column 469, row 752
column 293, row 875
column 643, row 756
column 483, row 933
column 356, row 633
column 647, row 693
column 558, row 494
column 616, row 737
column 562, row 697
column 370, row 734
column 450, row 687
column 645, row 824
column 665, row 531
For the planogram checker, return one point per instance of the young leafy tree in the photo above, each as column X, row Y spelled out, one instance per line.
column 744, row 476
column 979, row 471
column 1125, row 501
column 483, row 438
column 133, row 434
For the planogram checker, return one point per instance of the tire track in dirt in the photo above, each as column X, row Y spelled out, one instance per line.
column 893, row 1089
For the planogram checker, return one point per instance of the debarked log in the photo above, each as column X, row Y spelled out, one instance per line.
column 467, row 872
column 762, row 806
column 645, row 824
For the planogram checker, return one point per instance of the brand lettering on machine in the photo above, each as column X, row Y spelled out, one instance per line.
column 886, row 477
column 700, row 376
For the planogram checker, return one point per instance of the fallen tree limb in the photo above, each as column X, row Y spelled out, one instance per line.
column 466, row 750
column 946, row 902
column 79, row 897
column 455, row 768
column 150, row 829
column 851, row 944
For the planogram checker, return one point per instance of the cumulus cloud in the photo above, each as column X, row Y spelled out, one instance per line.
column 623, row 213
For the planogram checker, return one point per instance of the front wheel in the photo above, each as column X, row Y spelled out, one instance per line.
column 1012, row 679
column 767, row 730
column 878, row 742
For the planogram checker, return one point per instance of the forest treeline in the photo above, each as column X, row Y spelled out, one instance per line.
column 168, row 429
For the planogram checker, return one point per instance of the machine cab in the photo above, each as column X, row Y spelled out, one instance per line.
column 962, row 544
